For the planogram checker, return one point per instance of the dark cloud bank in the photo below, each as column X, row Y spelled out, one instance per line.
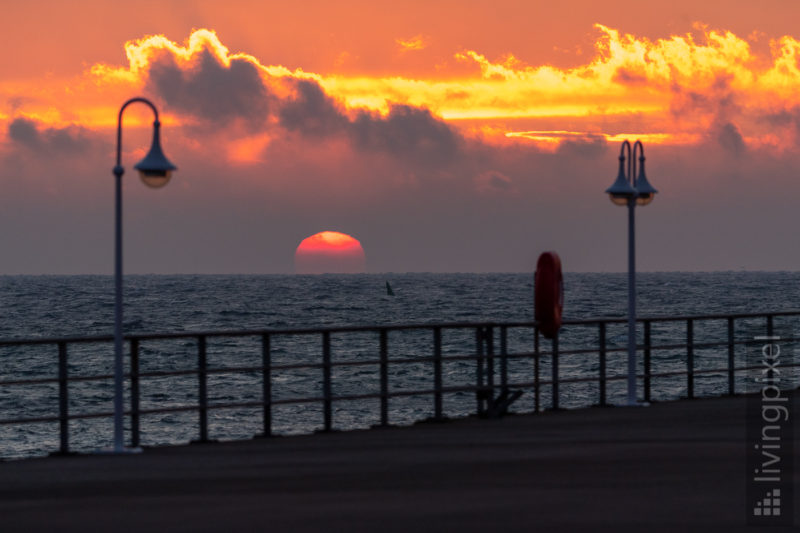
column 70, row 140
column 220, row 95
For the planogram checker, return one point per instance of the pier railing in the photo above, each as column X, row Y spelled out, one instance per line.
column 386, row 375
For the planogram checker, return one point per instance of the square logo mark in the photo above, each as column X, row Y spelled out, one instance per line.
column 770, row 505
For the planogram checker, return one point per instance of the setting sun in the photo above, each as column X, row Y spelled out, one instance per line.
column 329, row 252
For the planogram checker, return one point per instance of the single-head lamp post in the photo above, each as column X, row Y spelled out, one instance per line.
column 155, row 170
column 631, row 189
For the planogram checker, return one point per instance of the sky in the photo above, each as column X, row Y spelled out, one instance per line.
column 448, row 136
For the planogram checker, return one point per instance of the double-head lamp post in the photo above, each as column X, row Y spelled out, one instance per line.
column 155, row 171
column 631, row 189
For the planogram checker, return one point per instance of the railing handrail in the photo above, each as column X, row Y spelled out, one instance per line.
column 489, row 361
column 377, row 328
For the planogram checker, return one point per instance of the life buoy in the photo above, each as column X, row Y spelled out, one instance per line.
column 548, row 294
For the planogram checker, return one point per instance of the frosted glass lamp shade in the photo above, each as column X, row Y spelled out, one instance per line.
column 155, row 169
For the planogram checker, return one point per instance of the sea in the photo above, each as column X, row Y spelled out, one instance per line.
column 36, row 307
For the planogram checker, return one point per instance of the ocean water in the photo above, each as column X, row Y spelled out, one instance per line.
column 60, row 306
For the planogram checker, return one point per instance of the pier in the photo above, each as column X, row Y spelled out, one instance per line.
column 673, row 466
column 676, row 465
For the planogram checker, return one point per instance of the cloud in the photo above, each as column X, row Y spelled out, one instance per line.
column 676, row 88
column 785, row 123
column 406, row 132
column 311, row 112
column 207, row 89
column 588, row 146
column 69, row 140
column 730, row 138
column 626, row 76
column 493, row 181
column 202, row 80
column 418, row 42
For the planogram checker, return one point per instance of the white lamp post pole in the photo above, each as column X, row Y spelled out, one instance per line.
column 155, row 171
column 631, row 189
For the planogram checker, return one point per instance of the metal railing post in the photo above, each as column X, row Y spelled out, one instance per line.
column 731, row 360
column 135, row 397
column 690, row 358
column 489, row 395
column 504, row 359
column 326, row 381
column 384, row 371
column 63, row 399
column 536, row 383
column 202, row 389
column 647, row 369
column 601, row 334
column 266, row 382
column 437, row 372
column 554, row 369
column 479, row 369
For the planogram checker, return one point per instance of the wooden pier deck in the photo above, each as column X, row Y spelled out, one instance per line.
column 676, row 466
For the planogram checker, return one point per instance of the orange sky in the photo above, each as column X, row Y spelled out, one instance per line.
column 337, row 110
column 503, row 77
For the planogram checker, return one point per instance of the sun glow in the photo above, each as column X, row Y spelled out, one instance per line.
column 248, row 150
column 552, row 139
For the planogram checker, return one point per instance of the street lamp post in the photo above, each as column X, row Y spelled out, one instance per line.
column 631, row 189
column 155, row 171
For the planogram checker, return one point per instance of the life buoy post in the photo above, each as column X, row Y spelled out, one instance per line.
column 548, row 294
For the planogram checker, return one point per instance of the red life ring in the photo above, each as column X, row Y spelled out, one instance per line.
column 548, row 294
